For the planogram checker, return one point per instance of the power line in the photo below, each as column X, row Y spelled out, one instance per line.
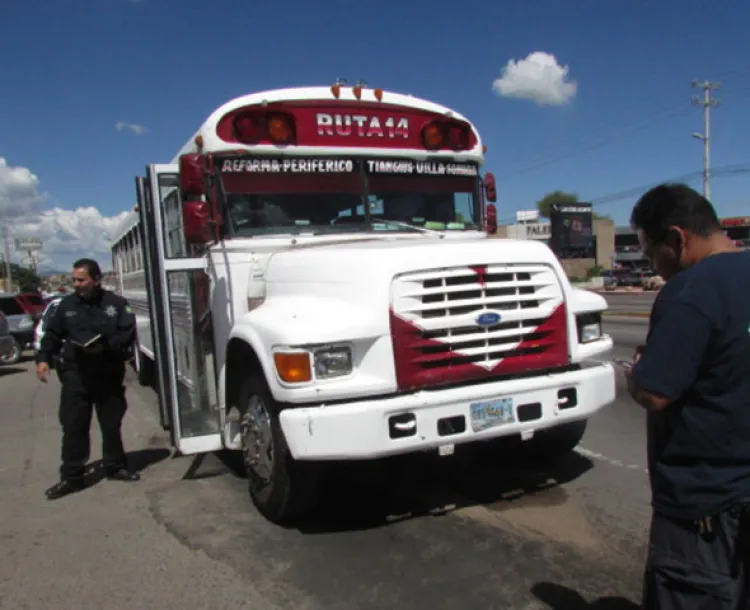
column 599, row 202
column 726, row 170
column 563, row 153
column 707, row 102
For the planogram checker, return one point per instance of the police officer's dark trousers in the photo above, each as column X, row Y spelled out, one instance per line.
column 699, row 565
column 82, row 391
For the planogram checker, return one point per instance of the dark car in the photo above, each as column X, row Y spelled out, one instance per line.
column 626, row 277
column 22, row 317
column 9, row 352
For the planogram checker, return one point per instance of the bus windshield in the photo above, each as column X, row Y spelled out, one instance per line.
column 436, row 203
column 267, row 203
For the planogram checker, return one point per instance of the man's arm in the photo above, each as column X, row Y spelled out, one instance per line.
column 54, row 333
column 124, row 336
column 673, row 355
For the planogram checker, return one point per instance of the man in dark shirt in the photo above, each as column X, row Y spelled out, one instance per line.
column 91, row 333
column 693, row 378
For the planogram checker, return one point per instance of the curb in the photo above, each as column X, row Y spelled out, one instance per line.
column 626, row 314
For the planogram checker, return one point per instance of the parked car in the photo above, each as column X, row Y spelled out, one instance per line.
column 8, row 345
column 43, row 321
column 33, row 302
column 21, row 318
column 609, row 280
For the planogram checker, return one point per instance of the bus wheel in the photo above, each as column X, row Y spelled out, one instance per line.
column 281, row 488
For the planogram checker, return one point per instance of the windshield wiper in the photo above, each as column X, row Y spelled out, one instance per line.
column 408, row 225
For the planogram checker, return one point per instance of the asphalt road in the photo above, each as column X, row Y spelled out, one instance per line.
column 630, row 302
column 465, row 532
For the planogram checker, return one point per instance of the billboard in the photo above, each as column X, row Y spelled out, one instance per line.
column 531, row 230
column 27, row 244
column 572, row 230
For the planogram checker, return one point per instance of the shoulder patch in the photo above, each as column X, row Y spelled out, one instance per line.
column 127, row 309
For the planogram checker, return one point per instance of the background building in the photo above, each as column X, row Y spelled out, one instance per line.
column 529, row 225
column 628, row 253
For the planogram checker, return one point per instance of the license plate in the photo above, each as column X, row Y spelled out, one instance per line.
column 492, row 413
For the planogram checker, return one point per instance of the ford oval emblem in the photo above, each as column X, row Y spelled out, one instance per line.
column 488, row 318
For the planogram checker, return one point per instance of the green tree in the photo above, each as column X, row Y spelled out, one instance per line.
column 25, row 278
column 544, row 205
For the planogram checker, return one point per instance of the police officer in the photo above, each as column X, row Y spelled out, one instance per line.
column 91, row 335
column 693, row 379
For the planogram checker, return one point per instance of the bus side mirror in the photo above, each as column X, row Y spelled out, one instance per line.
column 491, row 219
column 196, row 222
column 489, row 187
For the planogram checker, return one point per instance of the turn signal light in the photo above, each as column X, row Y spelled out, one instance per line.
column 452, row 135
column 247, row 128
column 280, row 129
column 432, row 136
column 293, row 367
column 261, row 127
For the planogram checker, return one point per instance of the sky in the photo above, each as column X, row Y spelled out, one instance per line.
column 586, row 96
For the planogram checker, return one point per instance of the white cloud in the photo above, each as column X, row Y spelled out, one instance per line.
column 19, row 191
column 66, row 234
column 137, row 129
column 537, row 77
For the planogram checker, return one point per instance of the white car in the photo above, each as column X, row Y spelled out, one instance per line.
column 43, row 321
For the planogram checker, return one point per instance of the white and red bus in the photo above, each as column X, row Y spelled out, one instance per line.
column 313, row 281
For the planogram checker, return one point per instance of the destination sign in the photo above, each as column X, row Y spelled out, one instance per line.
column 294, row 165
column 420, row 168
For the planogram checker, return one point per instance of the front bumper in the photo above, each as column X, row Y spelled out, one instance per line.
column 364, row 429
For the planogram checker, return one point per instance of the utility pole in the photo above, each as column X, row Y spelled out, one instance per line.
column 8, row 281
column 707, row 102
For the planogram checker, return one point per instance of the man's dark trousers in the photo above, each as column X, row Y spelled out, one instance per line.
column 694, row 566
column 83, row 391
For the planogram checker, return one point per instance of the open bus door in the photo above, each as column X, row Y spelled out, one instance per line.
column 181, row 317
column 149, row 247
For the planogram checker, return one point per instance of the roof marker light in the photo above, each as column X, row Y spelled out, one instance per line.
column 379, row 95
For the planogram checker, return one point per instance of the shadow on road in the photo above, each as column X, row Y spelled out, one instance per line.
column 366, row 495
column 558, row 597
column 10, row 370
column 138, row 461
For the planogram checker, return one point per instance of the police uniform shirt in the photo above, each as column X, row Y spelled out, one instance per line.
column 77, row 321
column 698, row 355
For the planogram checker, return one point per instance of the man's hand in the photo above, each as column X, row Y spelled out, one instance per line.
column 629, row 371
column 42, row 370
column 629, row 380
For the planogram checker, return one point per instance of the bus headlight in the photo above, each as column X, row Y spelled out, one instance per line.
column 589, row 327
column 334, row 361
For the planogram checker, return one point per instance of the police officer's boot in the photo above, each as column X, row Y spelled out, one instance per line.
column 63, row 488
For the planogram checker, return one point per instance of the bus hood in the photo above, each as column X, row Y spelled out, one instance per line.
column 377, row 261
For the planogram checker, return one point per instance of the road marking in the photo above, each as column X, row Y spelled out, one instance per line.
column 611, row 461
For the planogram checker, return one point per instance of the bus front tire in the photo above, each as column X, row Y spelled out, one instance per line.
column 281, row 488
